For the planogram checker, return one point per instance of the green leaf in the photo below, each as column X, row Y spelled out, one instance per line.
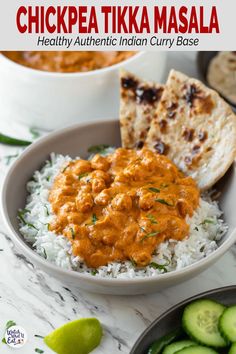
column 72, row 232
column 10, row 324
column 94, row 272
column 4, row 341
column 152, row 219
column 8, row 140
column 94, row 219
column 38, row 336
column 47, row 211
column 45, row 253
column 37, row 350
column 154, row 190
column 34, row 132
column 98, row 148
column 65, row 168
column 151, row 234
column 208, row 221
column 21, row 216
column 82, row 175
column 163, row 201
column 158, row 266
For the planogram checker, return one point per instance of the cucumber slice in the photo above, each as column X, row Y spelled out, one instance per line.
column 176, row 346
column 233, row 349
column 227, row 323
column 198, row 349
column 200, row 321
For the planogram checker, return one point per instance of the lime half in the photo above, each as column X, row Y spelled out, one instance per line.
column 76, row 337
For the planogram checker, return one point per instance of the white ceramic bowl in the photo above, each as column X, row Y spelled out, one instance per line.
column 34, row 97
column 74, row 141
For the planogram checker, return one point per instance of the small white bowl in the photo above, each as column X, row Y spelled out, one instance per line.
column 34, row 97
column 75, row 141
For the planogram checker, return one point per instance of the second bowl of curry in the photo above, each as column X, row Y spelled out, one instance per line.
column 70, row 86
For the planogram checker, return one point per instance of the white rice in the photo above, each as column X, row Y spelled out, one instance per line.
column 206, row 230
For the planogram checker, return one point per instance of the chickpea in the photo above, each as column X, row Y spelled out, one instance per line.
column 98, row 184
column 184, row 208
column 146, row 201
column 84, row 202
column 103, row 198
column 99, row 162
column 101, row 174
column 122, row 202
column 82, row 166
column 141, row 258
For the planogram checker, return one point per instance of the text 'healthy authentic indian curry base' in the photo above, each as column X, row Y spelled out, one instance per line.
column 122, row 206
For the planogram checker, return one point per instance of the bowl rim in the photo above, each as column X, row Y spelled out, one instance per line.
column 61, row 75
column 178, row 305
column 31, row 254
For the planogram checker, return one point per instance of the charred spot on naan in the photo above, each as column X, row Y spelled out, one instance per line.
column 148, row 95
column 197, row 100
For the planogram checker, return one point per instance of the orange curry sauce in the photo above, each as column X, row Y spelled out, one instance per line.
column 120, row 207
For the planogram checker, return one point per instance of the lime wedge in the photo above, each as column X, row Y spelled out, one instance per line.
column 76, row 337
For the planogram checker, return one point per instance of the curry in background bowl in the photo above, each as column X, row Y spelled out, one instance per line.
column 67, row 62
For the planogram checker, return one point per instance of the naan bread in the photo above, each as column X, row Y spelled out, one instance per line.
column 195, row 128
column 138, row 104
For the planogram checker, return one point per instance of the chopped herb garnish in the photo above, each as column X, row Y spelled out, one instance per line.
column 134, row 264
column 98, row 148
column 38, row 336
column 72, row 232
column 159, row 266
column 152, row 219
column 48, row 178
column 45, row 253
column 154, row 190
column 47, row 211
column 82, row 175
column 9, row 158
column 151, row 234
column 94, row 271
column 21, row 216
column 94, row 219
column 37, row 350
column 163, row 201
column 202, row 248
column 4, row 341
column 10, row 324
column 65, row 168
column 34, row 132
column 208, row 221
column 196, row 228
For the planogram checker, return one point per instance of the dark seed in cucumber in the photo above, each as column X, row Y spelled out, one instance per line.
column 200, row 320
column 233, row 349
column 227, row 323
column 160, row 344
column 198, row 349
column 176, row 346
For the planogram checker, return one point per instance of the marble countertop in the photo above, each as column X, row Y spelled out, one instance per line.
column 39, row 303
